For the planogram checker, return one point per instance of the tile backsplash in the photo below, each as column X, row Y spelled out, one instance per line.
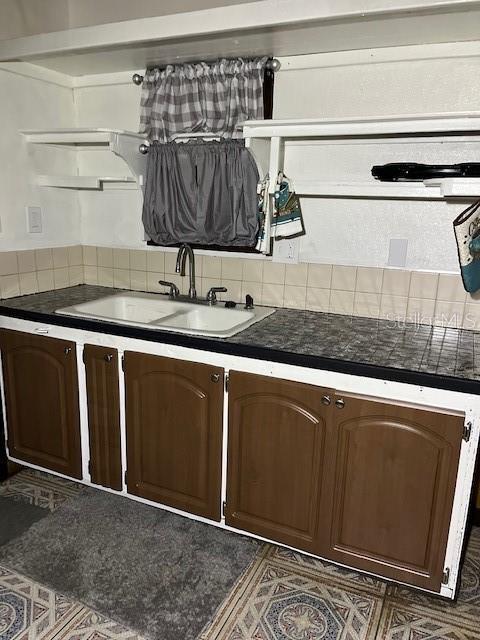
column 396, row 294
column 35, row 270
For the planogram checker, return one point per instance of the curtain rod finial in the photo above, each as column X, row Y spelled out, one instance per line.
column 274, row 65
column 137, row 79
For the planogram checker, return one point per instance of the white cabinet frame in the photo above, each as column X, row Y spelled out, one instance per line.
column 423, row 397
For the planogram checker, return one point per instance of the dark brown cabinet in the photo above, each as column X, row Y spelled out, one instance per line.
column 174, row 413
column 276, row 458
column 391, row 489
column 363, row 483
column 101, row 370
column 41, row 396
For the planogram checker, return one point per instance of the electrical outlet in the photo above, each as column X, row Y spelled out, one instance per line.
column 286, row 250
column 397, row 252
column 34, row 220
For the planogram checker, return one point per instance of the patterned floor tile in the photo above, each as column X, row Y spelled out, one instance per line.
column 405, row 621
column 29, row 611
column 89, row 625
column 38, row 488
column 465, row 610
column 321, row 568
column 276, row 602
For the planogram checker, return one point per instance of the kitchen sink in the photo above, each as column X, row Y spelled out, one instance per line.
column 166, row 314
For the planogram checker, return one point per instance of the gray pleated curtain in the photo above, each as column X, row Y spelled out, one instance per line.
column 212, row 97
column 201, row 193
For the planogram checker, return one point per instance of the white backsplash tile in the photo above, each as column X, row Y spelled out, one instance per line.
column 252, row 271
column 274, row 273
column 318, row 299
column 121, row 259
column 396, row 282
column 156, row 261
column 28, row 283
column 138, row 260
column 423, row 285
column 294, row 297
column 296, row 275
column 369, row 280
column 60, row 257
column 450, row 288
column 343, row 278
column 8, row 263
column 319, row 276
column 395, row 294
column 26, row 261
column 341, row 302
column 44, row 258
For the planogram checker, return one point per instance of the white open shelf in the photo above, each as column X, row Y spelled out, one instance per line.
column 78, row 137
column 124, row 144
column 272, row 135
column 349, row 147
column 437, row 189
column 416, row 124
column 264, row 27
column 456, row 187
column 86, row 182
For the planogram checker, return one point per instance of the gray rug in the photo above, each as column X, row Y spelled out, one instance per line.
column 16, row 517
column 159, row 574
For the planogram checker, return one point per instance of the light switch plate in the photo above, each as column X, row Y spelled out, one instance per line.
column 34, row 219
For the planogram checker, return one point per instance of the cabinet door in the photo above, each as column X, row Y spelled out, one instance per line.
column 174, row 432
column 276, row 451
column 41, row 395
column 101, row 369
column 392, row 490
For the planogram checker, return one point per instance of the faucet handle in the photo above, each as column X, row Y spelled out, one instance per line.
column 212, row 293
column 174, row 291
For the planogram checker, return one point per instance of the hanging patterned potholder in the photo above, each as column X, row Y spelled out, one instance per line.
column 287, row 218
column 467, row 234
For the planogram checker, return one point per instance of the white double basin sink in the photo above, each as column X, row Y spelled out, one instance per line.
column 153, row 311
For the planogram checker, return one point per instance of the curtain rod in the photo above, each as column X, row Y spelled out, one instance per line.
column 273, row 64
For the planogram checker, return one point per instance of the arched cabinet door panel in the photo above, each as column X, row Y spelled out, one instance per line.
column 103, row 405
column 277, row 436
column 174, row 413
column 392, row 489
column 41, row 396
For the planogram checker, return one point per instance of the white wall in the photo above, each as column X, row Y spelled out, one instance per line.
column 90, row 12
column 358, row 232
column 408, row 86
column 28, row 103
column 111, row 218
column 20, row 18
column 354, row 232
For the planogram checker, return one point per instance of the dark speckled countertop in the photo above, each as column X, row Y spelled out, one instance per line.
column 417, row 354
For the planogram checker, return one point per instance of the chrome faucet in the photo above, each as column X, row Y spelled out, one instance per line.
column 184, row 251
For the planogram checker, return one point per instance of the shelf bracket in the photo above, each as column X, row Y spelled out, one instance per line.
column 126, row 147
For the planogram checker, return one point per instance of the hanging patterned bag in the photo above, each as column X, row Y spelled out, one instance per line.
column 467, row 234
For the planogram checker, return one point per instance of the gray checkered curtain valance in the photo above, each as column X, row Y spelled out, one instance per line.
column 210, row 97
